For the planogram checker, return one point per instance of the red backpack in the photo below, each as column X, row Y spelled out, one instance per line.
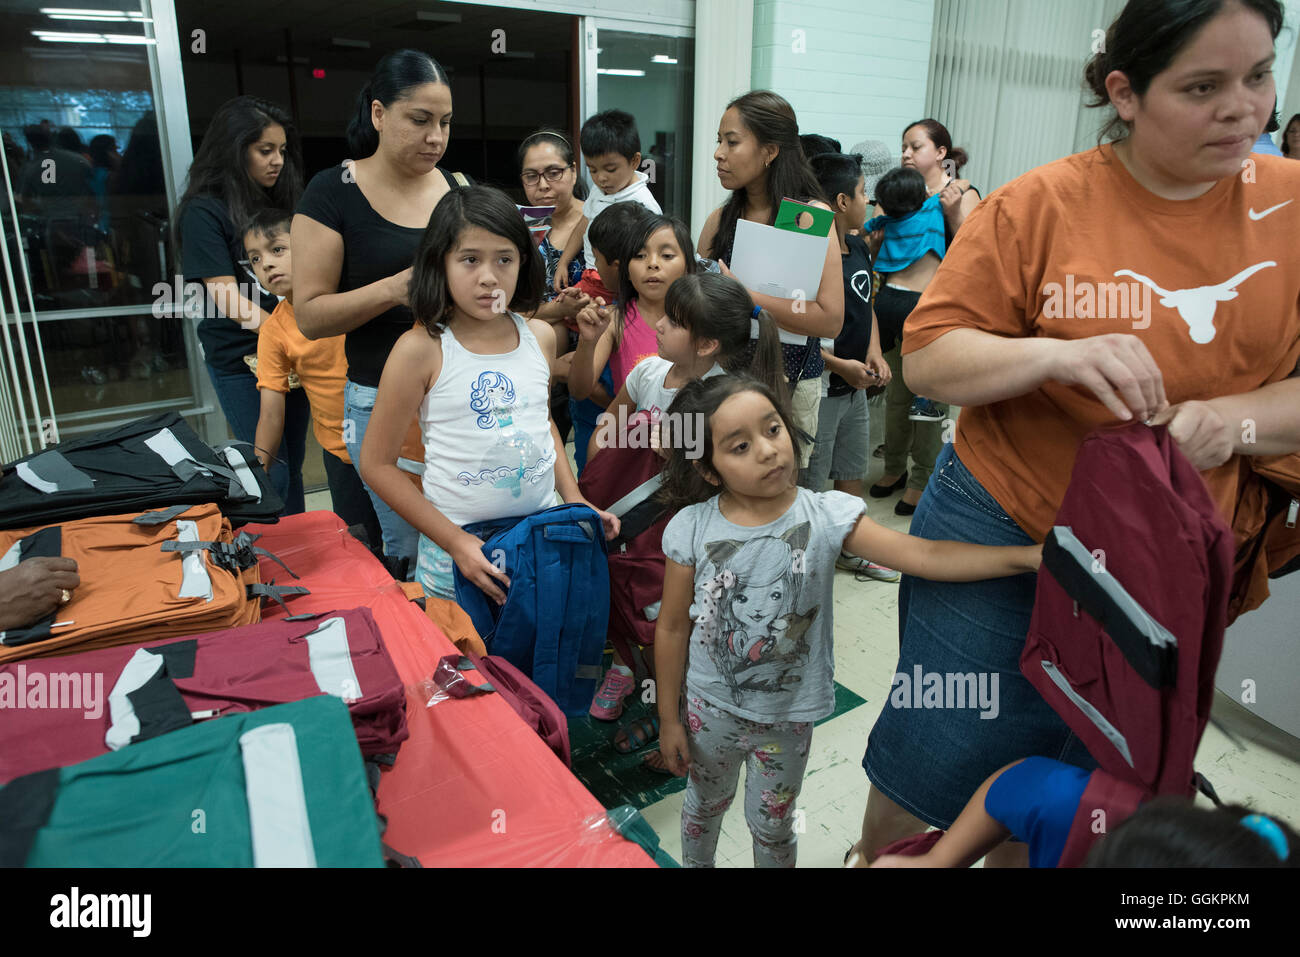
column 532, row 704
column 625, row 480
column 1128, row 620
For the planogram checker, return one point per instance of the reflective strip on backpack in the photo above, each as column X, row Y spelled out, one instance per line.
column 1111, row 732
column 195, row 582
column 330, row 659
column 51, row 472
column 170, row 450
column 1154, row 632
column 242, row 472
column 12, row 557
column 125, row 722
column 35, row 481
column 277, row 803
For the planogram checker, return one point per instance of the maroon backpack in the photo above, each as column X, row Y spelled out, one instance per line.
column 1128, row 623
column 624, row 480
column 530, row 702
column 1128, row 620
column 75, row 707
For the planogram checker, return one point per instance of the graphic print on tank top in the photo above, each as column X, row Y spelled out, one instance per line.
column 753, row 628
column 515, row 459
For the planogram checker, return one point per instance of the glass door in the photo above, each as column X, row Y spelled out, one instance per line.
column 86, row 216
column 650, row 74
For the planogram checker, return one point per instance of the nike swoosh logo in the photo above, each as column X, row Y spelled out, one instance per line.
column 1258, row 216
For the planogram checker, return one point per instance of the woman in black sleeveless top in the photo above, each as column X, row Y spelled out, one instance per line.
column 355, row 235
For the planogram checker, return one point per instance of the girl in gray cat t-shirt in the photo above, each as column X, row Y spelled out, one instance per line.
column 745, row 623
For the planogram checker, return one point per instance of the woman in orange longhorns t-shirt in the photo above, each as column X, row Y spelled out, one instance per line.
column 1153, row 278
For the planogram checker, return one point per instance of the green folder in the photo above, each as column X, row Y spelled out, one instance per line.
column 789, row 213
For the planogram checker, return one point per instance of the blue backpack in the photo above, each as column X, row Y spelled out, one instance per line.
column 552, row 626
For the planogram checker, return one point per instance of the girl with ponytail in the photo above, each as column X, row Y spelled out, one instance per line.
column 705, row 331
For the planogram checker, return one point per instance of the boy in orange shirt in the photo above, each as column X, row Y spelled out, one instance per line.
column 284, row 355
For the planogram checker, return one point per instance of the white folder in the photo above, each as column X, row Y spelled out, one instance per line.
column 780, row 263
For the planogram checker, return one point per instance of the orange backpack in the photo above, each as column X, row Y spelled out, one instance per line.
column 144, row 577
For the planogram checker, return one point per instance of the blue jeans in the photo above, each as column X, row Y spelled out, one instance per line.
column 930, row 758
column 349, row 499
column 584, row 414
column 240, row 402
column 400, row 539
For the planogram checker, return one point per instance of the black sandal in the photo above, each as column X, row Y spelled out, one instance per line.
column 635, row 735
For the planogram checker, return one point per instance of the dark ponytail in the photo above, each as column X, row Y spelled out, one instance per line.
column 767, row 365
column 395, row 75
column 1144, row 39
column 771, row 118
column 712, row 306
column 1171, row 831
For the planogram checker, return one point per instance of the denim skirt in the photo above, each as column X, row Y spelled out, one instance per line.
column 959, row 708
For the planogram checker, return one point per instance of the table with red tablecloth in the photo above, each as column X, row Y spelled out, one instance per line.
column 473, row 785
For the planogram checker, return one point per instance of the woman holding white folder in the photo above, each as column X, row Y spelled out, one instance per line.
column 760, row 160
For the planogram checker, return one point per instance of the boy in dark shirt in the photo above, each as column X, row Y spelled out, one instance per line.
column 843, row 423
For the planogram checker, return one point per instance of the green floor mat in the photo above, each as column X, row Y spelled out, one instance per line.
column 617, row 779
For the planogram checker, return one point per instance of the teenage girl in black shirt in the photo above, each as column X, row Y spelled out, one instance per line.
column 249, row 159
column 759, row 158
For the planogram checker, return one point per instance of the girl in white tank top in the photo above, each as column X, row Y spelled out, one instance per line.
column 477, row 375
column 486, row 426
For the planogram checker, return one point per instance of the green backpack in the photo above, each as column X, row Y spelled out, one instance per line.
column 280, row 787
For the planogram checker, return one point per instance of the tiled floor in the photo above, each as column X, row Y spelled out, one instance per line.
column 1264, row 771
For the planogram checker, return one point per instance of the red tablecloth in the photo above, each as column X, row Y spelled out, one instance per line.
column 473, row 785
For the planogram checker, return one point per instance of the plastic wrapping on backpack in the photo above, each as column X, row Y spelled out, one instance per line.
column 448, row 682
column 475, row 785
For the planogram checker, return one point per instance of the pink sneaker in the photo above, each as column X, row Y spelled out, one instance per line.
column 608, row 703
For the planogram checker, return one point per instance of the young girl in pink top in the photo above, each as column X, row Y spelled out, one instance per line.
column 624, row 334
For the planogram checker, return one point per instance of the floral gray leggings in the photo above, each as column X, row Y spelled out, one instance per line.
column 775, row 756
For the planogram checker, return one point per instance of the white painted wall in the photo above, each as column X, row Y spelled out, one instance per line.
column 852, row 69
column 1285, row 71
column 723, row 54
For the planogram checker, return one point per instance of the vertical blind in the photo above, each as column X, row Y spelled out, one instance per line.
column 1006, row 79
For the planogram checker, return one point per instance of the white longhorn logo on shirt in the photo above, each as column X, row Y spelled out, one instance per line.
column 1197, row 306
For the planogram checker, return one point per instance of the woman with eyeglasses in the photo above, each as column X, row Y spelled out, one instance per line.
column 549, row 173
